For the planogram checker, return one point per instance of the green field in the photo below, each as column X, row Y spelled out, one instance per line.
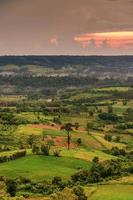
column 43, row 167
column 113, row 192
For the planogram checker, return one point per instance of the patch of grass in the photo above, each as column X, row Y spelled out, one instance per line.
column 106, row 144
column 31, row 117
column 43, row 167
column 113, row 192
column 54, row 132
column 88, row 140
column 28, row 130
column 86, row 155
column 112, row 89
column 82, row 119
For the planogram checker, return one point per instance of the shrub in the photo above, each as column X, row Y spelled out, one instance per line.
column 80, row 176
column 108, row 117
column 118, row 152
column 56, row 180
column 56, row 153
column 57, row 120
column 110, row 109
column 95, row 159
column 117, row 139
column 108, row 137
column 79, row 192
column 79, row 141
column 12, row 156
column 64, row 194
column 45, row 150
column 35, row 149
column 11, row 187
column 76, row 125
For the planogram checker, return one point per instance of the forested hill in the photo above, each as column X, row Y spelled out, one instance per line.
column 61, row 61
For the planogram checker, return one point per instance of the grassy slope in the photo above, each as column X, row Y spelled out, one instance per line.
column 42, row 167
column 113, row 192
column 86, row 155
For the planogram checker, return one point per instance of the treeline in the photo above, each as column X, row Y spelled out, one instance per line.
column 107, row 62
column 36, row 82
column 49, row 85
column 12, row 156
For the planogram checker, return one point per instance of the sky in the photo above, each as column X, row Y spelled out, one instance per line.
column 66, row 27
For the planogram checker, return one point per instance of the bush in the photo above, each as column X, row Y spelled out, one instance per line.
column 95, row 159
column 35, row 149
column 108, row 117
column 79, row 192
column 99, row 172
column 45, row 150
column 115, row 151
column 12, row 156
column 24, row 180
column 110, row 109
column 81, row 176
column 56, row 153
column 79, row 141
column 117, row 139
column 108, row 138
column 56, row 180
column 11, row 187
column 57, row 120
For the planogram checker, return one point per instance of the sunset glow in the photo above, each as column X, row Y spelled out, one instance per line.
column 110, row 39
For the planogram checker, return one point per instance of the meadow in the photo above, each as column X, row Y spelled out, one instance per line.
column 113, row 192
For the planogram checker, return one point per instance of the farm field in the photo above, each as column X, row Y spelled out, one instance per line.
column 40, row 167
column 113, row 192
column 81, row 139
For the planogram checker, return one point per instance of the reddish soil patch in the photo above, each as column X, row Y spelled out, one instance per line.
column 55, row 127
column 59, row 141
column 80, row 129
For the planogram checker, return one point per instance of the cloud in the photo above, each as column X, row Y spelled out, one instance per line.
column 40, row 23
column 121, row 39
column 54, row 41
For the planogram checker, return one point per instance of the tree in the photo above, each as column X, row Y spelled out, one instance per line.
column 68, row 128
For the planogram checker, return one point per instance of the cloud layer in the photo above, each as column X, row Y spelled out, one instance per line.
column 123, row 39
column 59, row 26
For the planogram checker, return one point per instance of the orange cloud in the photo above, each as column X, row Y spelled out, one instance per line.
column 54, row 41
column 110, row 39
